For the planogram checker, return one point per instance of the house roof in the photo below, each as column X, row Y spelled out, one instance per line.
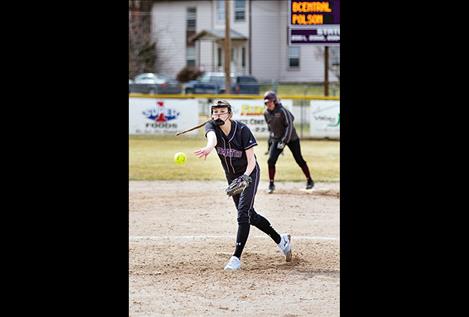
column 217, row 35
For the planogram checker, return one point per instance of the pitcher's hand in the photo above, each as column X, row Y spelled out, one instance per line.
column 203, row 152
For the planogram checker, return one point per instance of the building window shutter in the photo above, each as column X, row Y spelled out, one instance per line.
column 219, row 60
column 243, row 57
column 220, row 10
column 240, row 10
column 294, row 56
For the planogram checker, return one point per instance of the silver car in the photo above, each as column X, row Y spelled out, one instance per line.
column 151, row 83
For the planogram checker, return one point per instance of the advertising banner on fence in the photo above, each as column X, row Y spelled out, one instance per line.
column 325, row 119
column 162, row 116
column 251, row 113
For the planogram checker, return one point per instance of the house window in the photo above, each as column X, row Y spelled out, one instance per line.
column 191, row 19
column 190, row 56
column 220, row 10
column 294, row 56
column 219, row 61
column 240, row 10
column 243, row 57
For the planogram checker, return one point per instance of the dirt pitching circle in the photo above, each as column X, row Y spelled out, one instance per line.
column 182, row 233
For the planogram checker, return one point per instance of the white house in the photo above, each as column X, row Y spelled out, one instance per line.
column 192, row 33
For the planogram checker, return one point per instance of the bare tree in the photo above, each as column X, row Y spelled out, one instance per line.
column 334, row 58
column 142, row 50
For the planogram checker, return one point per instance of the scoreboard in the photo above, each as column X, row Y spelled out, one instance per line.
column 314, row 22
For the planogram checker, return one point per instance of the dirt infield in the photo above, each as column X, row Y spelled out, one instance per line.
column 182, row 233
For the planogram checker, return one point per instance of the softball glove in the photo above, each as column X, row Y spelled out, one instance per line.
column 238, row 185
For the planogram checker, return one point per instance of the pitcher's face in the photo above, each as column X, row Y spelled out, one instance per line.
column 221, row 113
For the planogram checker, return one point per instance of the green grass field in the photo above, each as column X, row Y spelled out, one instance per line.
column 309, row 89
column 151, row 158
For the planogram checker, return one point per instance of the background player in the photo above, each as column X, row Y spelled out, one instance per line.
column 280, row 124
column 234, row 144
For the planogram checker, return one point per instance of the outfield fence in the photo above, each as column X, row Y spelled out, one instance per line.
column 316, row 117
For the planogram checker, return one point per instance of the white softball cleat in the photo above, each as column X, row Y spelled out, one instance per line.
column 233, row 264
column 285, row 246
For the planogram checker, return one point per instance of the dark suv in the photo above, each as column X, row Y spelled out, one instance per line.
column 214, row 83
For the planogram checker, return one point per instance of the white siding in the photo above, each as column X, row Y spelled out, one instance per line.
column 169, row 32
column 204, row 22
column 238, row 26
column 269, row 40
column 241, row 26
column 266, row 40
column 270, row 47
column 207, row 55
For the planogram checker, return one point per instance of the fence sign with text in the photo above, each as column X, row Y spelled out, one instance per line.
column 325, row 119
column 251, row 113
column 162, row 116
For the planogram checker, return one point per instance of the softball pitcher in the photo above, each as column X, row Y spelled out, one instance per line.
column 234, row 143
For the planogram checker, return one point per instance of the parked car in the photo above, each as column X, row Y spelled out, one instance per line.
column 214, row 83
column 150, row 83
column 130, row 85
column 246, row 85
column 188, row 87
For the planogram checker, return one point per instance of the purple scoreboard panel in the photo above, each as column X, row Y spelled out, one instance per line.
column 314, row 22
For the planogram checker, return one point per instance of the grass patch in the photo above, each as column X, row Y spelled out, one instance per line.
column 308, row 89
column 151, row 158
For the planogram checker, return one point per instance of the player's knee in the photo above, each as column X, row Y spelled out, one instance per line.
column 243, row 219
column 271, row 161
column 301, row 162
column 243, row 215
column 254, row 220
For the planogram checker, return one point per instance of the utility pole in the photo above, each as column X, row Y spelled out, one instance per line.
column 227, row 48
column 326, row 71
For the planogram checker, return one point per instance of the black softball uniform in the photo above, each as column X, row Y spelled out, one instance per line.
column 231, row 150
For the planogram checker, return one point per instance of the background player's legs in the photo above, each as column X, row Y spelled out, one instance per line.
column 295, row 148
column 269, row 143
column 273, row 157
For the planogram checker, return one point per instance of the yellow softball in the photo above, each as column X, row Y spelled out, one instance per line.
column 180, row 158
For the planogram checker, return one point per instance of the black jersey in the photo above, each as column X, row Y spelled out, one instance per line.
column 231, row 148
column 280, row 123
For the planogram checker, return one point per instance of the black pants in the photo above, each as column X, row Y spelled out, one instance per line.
column 294, row 147
column 245, row 201
column 247, row 216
